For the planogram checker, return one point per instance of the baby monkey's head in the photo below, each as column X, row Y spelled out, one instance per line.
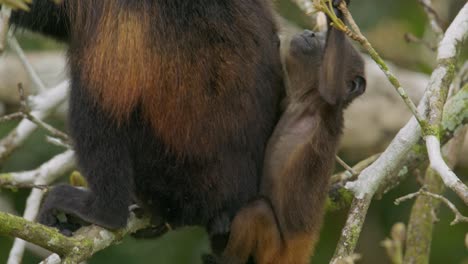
column 332, row 69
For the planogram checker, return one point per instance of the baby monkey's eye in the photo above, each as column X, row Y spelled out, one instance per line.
column 358, row 85
column 277, row 41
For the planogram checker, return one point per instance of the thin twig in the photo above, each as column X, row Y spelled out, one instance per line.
column 434, row 18
column 25, row 186
column 43, row 104
column 346, row 166
column 394, row 245
column 448, row 176
column 39, row 84
column 458, row 216
column 27, row 114
column 11, row 117
column 5, row 15
column 52, row 130
column 49, row 171
column 410, row 38
column 58, row 142
column 345, row 176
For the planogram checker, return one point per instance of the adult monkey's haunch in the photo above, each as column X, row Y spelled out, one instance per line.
column 283, row 226
column 172, row 103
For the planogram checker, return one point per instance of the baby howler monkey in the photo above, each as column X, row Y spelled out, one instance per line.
column 325, row 76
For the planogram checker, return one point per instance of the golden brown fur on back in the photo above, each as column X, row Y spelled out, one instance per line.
column 116, row 60
column 176, row 82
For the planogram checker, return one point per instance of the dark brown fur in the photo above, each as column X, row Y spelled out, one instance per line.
column 283, row 227
column 168, row 92
column 172, row 103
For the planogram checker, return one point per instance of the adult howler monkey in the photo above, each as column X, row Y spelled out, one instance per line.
column 172, row 103
column 282, row 227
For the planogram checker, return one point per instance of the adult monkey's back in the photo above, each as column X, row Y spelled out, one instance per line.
column 172, row 103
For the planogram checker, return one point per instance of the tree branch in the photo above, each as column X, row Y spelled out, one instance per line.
column 434, row 19
column 26, row 64
column 47, row 172
column 422, row 218
column 386, row 166
column 46, row 237
column 347, row 175
column 5, row 15
column 83, row 245
column 458, row 216
column 43, row 176
column 438, row 90
column 25, row 110
column 394, row 244
column 42, row 105
column 448, row 176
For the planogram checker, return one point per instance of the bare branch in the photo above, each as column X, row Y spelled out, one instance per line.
column 347, row 175
column 434, row 18
column 11, row 117
column 27, row 114
column 458, row 216
column 100, row 238
column 410, row 38
column 5, row 14
column 86, row 242
column 47, row 172
column 394, row 245
column 346, row 167
column 390, row 161
column 39, row 85
column 43, row 176
column 46, row 237
column 423, row 213
column 58, row 142
column 448, row 176
column 352, row 229
column 438, row 89
column 42, row 105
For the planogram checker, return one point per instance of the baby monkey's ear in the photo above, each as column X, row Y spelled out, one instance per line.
column 333, row 85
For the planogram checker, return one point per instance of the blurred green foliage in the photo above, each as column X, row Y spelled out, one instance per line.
column 385, row 23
